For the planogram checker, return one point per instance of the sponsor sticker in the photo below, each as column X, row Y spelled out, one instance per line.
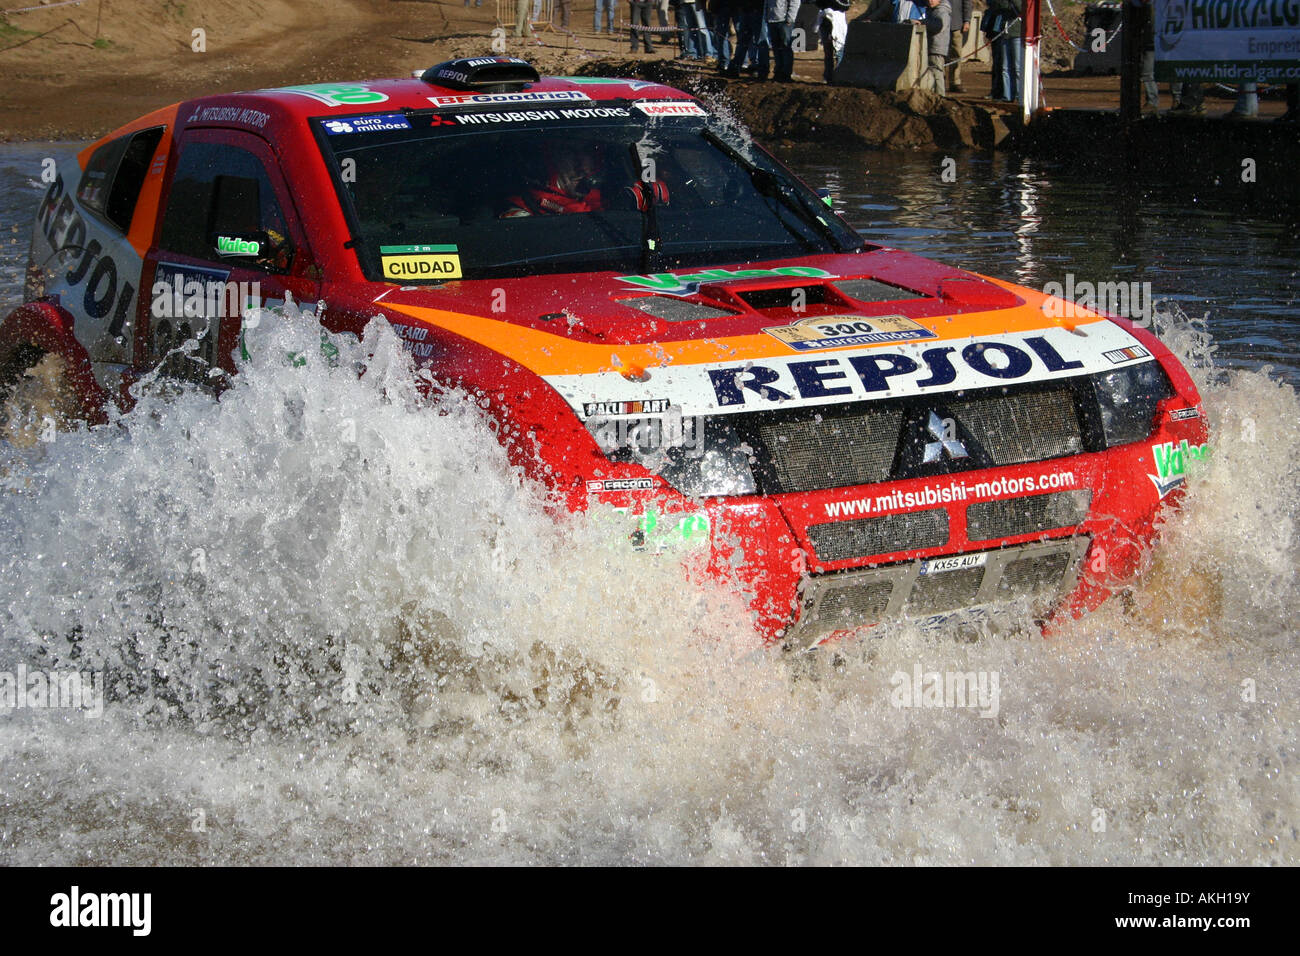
column 668, row 108
column 539, row 96
column 688, row 283
column 420, row 262
column 651, row 406
column 1119, row 356
column 375, row 123
column 1183, row 414
column 840, row 331
column 352, row 94
column 954, row 562
column 234, row 246
column 1172, row 462
column 622, row 484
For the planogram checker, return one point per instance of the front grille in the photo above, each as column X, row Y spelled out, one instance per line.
column 834, row 452
column 895, row 439
column 1008, row 517
column 1042, row 571
column 910, row 531
column 1030, row 576
column 1030, row 426
column 945, row 591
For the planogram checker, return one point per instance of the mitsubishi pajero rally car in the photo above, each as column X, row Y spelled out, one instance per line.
column 660, row 316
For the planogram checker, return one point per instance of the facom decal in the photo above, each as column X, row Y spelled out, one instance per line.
column 1172, row 462
column 651, row 406
column 375, row 123
column 688, row 283
column 537, row 96
column 352, row 94
column 234, row 246
column 420, row 262
column 669, row 108
column 1119, row 356
column 623, row 484
column 1183, row 414
column 840, row 331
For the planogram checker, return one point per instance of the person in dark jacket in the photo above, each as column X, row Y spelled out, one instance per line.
column 1004, row 25
column 749, row 36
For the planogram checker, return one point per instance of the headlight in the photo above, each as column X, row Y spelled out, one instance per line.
column 1127, row 399
column 700, row 457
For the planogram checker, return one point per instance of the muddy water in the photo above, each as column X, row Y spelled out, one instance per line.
column 383, row 650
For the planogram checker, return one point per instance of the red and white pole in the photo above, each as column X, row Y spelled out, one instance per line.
column 1029, row 80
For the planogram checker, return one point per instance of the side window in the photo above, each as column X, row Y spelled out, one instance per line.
column 111, row 183
column 222, row 208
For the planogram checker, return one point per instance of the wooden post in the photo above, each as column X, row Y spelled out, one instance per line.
column 1130, row 62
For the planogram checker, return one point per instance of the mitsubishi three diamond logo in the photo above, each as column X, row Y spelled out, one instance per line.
column 944, row 431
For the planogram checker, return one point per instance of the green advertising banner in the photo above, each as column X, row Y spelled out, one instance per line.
column 1228, row 41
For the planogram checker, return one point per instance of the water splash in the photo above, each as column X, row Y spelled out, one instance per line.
column 341, row 628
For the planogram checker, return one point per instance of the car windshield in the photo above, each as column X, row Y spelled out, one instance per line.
column 504, row 193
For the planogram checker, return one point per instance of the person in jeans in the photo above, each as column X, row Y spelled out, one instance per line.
column 641, row 19
column 725, row 13
column 1006, row 29
column 749, row 39
column 607, row 7
column 780, row 16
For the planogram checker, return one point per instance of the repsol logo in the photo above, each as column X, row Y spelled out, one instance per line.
column 880, row 371
column 64, row 228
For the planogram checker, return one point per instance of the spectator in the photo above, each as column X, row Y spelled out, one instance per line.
column 641, row 23
column 565, row 7
column 749, row 37
column 1292, row 114
column 938, row 24
column 1189, row 98
column 696, row 42
column 780, row 15
column 961, row 13
column 833, row 28
column 523, row 26
column 995, row 51
column 1247, row 105
column 725, row 14
column 1006, row 27
column 905, row 10
column 1147, row 38
column 607, row 6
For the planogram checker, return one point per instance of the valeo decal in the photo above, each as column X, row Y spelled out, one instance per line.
column 332, row 94
column 688, row 283
column 1172, row 461
column 234, row 246
column 420, row 262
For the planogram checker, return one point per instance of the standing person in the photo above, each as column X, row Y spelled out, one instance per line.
column 725, row 13
column 991, row 26
column 1007, row 80
column 1147, row 40
column 961, row 11
column 566, row 8
column 523, row 26
column 938, row 24
column 833, row 28
column 780, row 15
column 696, row 42
column 749, row 37
column 641, row 23
column 607, row 6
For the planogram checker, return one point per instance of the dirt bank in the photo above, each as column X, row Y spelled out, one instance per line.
column 77, row 70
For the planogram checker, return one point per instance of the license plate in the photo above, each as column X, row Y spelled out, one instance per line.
column 953, row 563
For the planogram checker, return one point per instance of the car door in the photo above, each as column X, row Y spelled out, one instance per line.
column 230, row 238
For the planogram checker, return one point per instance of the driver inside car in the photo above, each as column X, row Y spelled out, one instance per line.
column 574, row 171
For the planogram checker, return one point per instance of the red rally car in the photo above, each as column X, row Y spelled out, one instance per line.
column 662, row 317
